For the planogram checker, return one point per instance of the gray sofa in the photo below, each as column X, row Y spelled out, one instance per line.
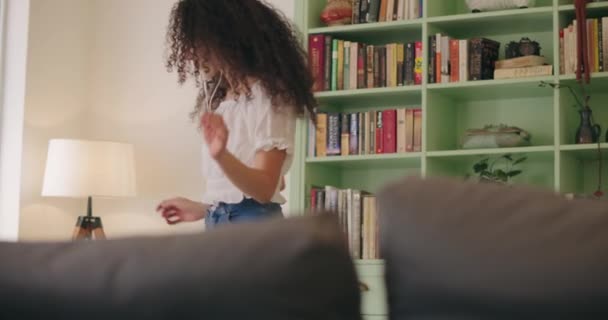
column 453, row 250
column 458, row 250
column 284, row 269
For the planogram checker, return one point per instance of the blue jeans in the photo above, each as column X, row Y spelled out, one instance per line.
column 247, row 210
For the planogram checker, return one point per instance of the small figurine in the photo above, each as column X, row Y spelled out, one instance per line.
column 525, row 47
column 337, row 12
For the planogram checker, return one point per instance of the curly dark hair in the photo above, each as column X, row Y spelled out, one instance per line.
column 248, row 39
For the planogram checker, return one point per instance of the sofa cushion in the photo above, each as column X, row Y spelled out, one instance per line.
column 285, row 269
column 456, row 250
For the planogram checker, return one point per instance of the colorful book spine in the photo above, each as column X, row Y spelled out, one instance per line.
column 401, row 130
column 445, row 59
column 463, row 60
column 390, row 8
column 376, row 66
column 366, row 133
column 400, row 63
column 334, row 65
column 409, row 130
column 410, row 56
column 382, row 12
column 312, row 139
column 393, row 64
column 438, row 58
column 389, row 142
column 605, row 43
column 356, row 10
column 372, row 132
column 321, row 143
column 362, row 67
column 346, row 71
column 363, row 9
column 382, row 67
column 379, row 133
column 483, row 54
column 344, row 135
column 600, row 45
column 328, row 62
column 316, row 55
column 340, row 70
column 354, row 50
column 431, row 58
column 360, row 132
column 354, row 136
column 333, row 134
column 417, row 130
column 356, row 222
column 418, row 63
column 370, row 66
column 374, row 10
column 454, row 60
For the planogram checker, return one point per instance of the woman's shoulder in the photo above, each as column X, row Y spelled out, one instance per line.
column 263, row 101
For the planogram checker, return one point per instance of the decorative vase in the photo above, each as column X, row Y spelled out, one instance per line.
column 587, row 132
column 337, row 12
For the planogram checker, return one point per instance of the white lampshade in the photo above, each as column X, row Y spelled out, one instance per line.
column 80, row 168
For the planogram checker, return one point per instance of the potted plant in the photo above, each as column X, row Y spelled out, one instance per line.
column 499, row 170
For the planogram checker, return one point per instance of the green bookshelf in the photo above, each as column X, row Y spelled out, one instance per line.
column 554, row 162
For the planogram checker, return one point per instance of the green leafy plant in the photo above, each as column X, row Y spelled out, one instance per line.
column 500, row 169
column 582, row 101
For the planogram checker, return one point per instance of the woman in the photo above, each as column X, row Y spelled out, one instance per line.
column 254, row 81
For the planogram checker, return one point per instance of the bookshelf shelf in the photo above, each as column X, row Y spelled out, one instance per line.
column 495, row 16
column 371, row 161
column 370, row 28
column 594, row 76
column 582, row 147
column 591, row 7
column 495, row 23
column 476, row 152
column 587, row 152
column 404, row 95
column 493, row 89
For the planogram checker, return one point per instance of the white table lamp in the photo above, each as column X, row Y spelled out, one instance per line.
column 84, row 169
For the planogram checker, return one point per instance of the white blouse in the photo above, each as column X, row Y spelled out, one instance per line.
column 253, row 125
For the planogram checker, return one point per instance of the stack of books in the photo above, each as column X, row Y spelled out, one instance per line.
column 358, row 216
column 522, row 67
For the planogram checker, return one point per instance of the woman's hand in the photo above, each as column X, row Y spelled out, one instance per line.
column 178, row 210
column 215, row 134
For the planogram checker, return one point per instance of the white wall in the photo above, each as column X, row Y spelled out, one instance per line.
column 56, row 102
column 96, row 71
column 13, row 52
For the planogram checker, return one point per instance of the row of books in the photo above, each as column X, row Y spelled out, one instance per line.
column 341, row 65
column 454, row 60
column 363, row 133
column 369, row 11
column 357, row 214
column 597, row 46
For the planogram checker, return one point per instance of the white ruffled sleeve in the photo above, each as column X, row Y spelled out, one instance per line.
column 274, row 129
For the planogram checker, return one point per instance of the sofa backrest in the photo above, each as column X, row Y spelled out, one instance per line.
column 284, row 269
column 457, row 250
